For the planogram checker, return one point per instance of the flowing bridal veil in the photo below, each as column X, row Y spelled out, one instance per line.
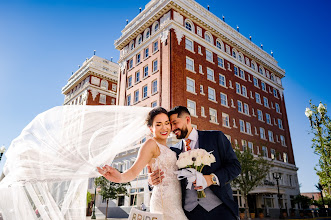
column 49, row 163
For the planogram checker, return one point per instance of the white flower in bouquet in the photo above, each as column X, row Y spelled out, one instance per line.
column 308, row 112
column 321, row 108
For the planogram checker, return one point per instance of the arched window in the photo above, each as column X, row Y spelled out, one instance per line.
column 219, row 44
column 247, row 61
column 104, row 84
column 253, row 65
column 272, row 77
column 261, row 70
column 241, row 57
column 131, row 45
column 234, row 53
column 189, row 25
column 147, row 33
column 208, row 37
column 139, row 39
column 155, row 27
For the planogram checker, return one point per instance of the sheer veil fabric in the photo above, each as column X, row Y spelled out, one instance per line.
column 48, row 165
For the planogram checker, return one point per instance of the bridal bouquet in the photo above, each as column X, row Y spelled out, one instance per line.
column 192, row 162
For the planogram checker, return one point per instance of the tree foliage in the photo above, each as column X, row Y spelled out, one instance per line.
column 320, row 125
column 303, row 201
column 253, row 172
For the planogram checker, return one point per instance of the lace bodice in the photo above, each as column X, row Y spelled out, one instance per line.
column 167, row 196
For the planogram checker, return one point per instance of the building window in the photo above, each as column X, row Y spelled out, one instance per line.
column 211, row 94
column 154, row 87
column 235, row 71
column 234, row 53
column 104, row 84
column 225, row 120
column 244, row 144
column 201, row 90
column 155, row 66
column 282, row 140
column 145, row 92
column 140, row 38
column 240, row 106
column 261, row 70
column 268, row 118
column 277, row 107
column 222, row 80
column 145, row 71
column 264, row 88
column 190, row 85
column 138, row 58
column 242, row 125
column 271, row 136
column 129, row 81
column 227, row 49
column 240, row 57
column 154, row 104
column 190, row 64
column 155, row 46
column 131, row 45
column 156, row 26
column 213, row 115
column 203, row 111
column 209, row 55
column 199, row 50
column 238, row 88
column 224, row 99
column 280, row 124
column 264, row 151
column 259, row 115
column 262, row 133
column 191, row 106
column 253, row 65
column 242, row 74
column 247, row 61
column 258, row 98
column 248, row 128
column 265, row 101
column 244, row 91
column 200, row 69
column 147, row 33
column 102, row 99
column 255, row 81
column 128, row 100
column 275, row 92
column 189, row 44
column 208, row 37
column 137, row 77
column 113, row 101
column 146, row 52
column 136, row 96
column 285, row 157
column 219, row 44
column 272, row 77
column 246, row 109
column 272, row 154
column 210, row 74
column 131, row 64
column 114, row 87
column 199, row 31
column 220, row 62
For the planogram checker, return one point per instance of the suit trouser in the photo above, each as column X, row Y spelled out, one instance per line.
column 221, row 212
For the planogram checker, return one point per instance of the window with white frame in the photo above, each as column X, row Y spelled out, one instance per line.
column 128, row 100
column 138, row 60
column 137, row 76
column 253, row 66
column 244, row 91
column 242, row 74
column 199, row 31
column 203, row 111
column 210, row 74
column 256, row 82
column 189, row 25
column 225, row 120
column 272, row 77
column 155, row 66
column 275, row 92
column 240, row 106
column 259, row 115
column 258, row 98
column 264, row 151
column 238, row 88
column 227, row 49
column 213, row 115
column 154, row 87
column 199, row 50
column 277, row 107
column 219, row 44
column 208, row 37
column 190, row 64
column 146, row 52
column 263, row 86
column 240, row 57
column 104, row 84
column 190, row 85
column 201, row 90
column 244, row 144
column 265, row 101
column 189, row 44
column 222, row 80
column 191, row 106
column 242, row 126
column 272, row 154
column 250, row 147
column 131, row 64
column 114, row 87
column 145, row 92
column 224, row 99
column 285, row 158
column 156, row 26
column 262, row 133
column 155, row 46
column 235, row 69
column 102, row 99
column 136, row 96
column 220, row 62
column 209, row 55
column 261, row 70
column 211, row 94
column 132, row 45
column 271, row 136
column 200, row 69
column 248, row 128
column 129, row 81
column 282, row 140
column 247, row 62
column 145, row 71
column 246, row 109
column 268, row 118
column 154, row 104
column 280, row 123
column 234, row 53
column 147, row 33
column 113, row 101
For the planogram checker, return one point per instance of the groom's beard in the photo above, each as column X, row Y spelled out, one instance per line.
column 183, row 133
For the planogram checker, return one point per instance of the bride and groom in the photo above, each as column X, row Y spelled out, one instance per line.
column 170, row 195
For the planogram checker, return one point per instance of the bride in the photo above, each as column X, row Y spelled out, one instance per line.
column 166, row 197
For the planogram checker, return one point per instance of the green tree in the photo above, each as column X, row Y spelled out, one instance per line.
column 303, row 201
column 320, row 189
column 253, row 172
column 320, row 124
column 110, row 190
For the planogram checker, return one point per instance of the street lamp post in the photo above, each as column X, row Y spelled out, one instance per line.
column 95, row 196
column 277, row 177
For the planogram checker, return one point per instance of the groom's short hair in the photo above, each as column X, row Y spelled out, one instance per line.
column 180, row 110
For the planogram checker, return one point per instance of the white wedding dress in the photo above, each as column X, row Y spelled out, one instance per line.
column 167, row 196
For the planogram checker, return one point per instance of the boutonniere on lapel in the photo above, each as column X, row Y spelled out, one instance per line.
column 191, row 164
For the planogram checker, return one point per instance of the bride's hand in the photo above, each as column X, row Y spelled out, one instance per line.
column 110, row 173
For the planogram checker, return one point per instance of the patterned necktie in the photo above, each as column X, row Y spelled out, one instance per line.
column 188, row 141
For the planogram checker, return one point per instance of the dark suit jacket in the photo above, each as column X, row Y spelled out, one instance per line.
column 226, row 167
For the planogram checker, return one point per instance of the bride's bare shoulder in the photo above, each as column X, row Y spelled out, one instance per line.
column 150, row 145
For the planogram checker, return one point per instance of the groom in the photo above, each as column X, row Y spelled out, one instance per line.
column 219, row 203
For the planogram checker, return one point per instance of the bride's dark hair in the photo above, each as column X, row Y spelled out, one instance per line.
column 154, row 112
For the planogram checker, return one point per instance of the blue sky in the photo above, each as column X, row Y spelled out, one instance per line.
column 43, row 41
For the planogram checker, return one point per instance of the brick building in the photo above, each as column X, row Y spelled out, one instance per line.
column 179, row 53
column 94, row 83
